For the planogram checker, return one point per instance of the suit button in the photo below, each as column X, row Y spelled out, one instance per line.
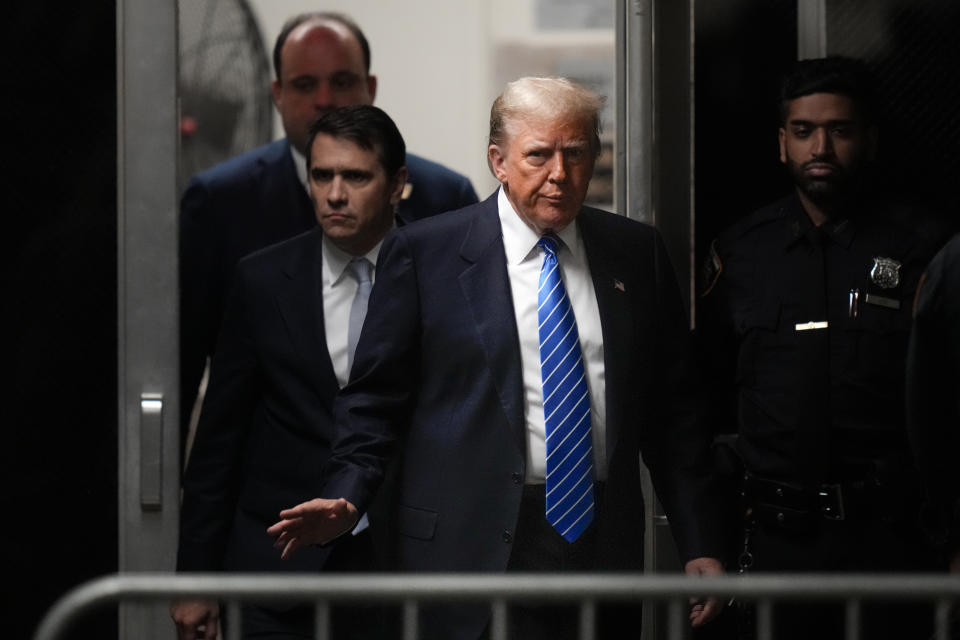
column 517, row 477
column 507, row 536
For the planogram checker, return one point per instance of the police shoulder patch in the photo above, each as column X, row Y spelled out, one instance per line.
column 711, row 270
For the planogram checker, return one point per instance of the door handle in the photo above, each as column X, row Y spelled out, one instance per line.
column 151, row 451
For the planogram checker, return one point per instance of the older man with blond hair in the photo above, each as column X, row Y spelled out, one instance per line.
column 525, row 351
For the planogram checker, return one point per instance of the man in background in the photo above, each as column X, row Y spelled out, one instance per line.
column 322, row 62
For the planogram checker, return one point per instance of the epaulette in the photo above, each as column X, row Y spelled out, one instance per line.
column 761, row 217
column 713, row 264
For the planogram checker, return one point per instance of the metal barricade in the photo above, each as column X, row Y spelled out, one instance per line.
column 499, row 590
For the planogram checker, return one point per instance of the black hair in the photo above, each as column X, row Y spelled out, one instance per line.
column 842, row 75
column 369, row 128
column 299, row 19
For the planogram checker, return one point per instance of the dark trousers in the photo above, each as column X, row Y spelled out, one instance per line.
column 868, row 545
column 353, row 622
column 537, row 548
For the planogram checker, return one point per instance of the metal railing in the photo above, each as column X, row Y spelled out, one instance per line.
column 584, row 589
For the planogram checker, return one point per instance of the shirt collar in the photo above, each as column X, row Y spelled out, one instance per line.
column 840, row 231
column 520, row 241
column 337, row 259
column 300, row 164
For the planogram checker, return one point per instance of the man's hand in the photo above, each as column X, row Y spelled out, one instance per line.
column 196, row 619
column 703, row 611
column 315, row 522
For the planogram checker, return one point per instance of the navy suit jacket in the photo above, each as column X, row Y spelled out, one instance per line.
column 250, row 202
column 438, row 369
column 267, row 418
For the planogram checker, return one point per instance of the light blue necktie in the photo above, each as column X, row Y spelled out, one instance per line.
column 566, row 404
column 361, row 270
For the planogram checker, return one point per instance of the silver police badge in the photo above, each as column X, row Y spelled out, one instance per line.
column 885, row 272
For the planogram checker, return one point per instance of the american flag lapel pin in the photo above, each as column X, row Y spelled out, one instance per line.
column 618, row 284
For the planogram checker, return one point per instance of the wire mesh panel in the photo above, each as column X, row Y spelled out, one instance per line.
column 912, row 46
column 742, row 47
column 224, row 83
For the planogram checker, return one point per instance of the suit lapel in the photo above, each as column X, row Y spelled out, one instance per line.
column 486, row 286
column 301, row 306
column 613, row 290
column 283, row 199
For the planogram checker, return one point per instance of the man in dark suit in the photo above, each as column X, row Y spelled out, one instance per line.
column 933, row 398
column 322, row 61
column 523, row 392
column 289, row 332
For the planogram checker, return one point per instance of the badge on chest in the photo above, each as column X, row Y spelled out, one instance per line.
column 885, row 272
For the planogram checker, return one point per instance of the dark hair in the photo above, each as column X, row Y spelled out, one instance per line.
column 849, row 77
column 369, row 128
column 317, row 16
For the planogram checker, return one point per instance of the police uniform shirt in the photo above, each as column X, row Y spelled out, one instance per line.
column 815, row 322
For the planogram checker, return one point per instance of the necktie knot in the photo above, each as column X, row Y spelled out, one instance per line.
column 361, row 269
column 550, row 245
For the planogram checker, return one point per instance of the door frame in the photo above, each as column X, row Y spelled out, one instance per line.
column 148, row 300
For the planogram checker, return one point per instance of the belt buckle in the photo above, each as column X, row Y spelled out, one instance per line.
column 831, row 502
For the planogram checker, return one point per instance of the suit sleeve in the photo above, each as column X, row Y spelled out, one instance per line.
column 213, row 476
column 716, row 344
column 676, row 447
column 933, row 378
column 373, row 410
column 200, row 294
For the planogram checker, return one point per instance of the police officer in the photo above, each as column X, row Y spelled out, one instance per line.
column 933, row 398
column 805, row 316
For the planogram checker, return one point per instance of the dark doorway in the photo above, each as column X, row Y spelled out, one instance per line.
column 58, row 466
column 742, row 48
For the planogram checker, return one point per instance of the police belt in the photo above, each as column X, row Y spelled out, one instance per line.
column 793, row 506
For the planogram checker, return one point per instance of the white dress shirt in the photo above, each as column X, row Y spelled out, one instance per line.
column 300, row 164
column 339, row 289
column 524, row 259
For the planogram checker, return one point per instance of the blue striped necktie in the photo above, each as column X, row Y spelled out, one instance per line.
column 566, row 404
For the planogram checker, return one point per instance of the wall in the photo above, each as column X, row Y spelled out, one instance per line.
column 440, row 64
column 432, row 59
